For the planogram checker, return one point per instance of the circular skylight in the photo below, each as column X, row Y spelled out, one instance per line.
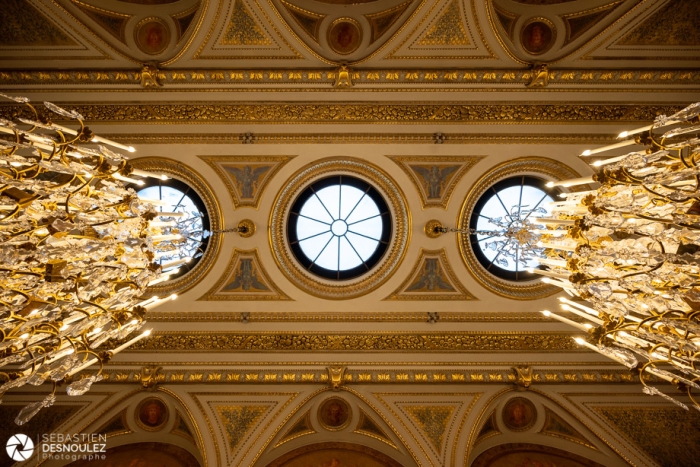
column 507, row 205
column 177, row 197
column 339, row 227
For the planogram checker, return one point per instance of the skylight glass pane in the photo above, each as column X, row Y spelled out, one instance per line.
column 348, row 257
column 315, row 210
column 349, row 196
column 370, row 228
column 307, row 228
column 364, row 246
column 329, row 256
column 330, row 197
column 366, row 208
column 313, row 246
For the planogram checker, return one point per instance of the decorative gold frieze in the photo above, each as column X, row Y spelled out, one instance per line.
column 432, row 278
column 356, row 342
column 246, row 177
column 388, row 78
column 363, row 138
column 329, row 112
column 435, row 177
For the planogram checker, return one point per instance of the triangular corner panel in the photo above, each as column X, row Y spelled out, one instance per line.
column 435, row 177
column 383, row 21
column 556, row 426
column 432, row 423
column 674, row 24
column 111, row 21
column 25, row 25
column 432, row 278
column 447, row 31
column 299, row 428
column 245, row 279
column 246, row 33
column 368, row 427
column 246, row 177
column 239, row 421
column 308, row 21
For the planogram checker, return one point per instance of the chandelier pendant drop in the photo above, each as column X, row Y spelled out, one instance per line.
column 628, row 254
column 79, row 250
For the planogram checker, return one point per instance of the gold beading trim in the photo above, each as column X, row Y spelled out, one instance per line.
column 347, row 317
column 198, row 183
column 531, row 290
column 401, row 228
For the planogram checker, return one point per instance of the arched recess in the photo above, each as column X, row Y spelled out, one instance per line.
column 145, row 454
column 527, row 454
column 532, row 422
column 125, row 424
column 331, row 453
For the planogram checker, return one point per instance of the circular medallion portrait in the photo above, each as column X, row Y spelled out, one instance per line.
column 519, row 414
column 334, row 414
column 152, row 414
column 537, row 36
column 344, row 36
column 152, row 36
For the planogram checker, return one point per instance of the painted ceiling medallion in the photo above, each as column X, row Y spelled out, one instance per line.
column 344, row 36
column 347, row 285
column 538, row 36
column 152, row 36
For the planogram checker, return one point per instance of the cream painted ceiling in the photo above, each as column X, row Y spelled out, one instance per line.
column 258, row 82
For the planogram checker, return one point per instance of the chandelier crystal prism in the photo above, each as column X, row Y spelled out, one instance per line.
column 628, row 254
column 79, row 250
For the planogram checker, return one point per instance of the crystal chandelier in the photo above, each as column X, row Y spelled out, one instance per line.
column 628, row 254
column 79, row 249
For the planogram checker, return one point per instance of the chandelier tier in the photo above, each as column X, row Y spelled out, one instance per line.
column 79, row 249
column 628, row 254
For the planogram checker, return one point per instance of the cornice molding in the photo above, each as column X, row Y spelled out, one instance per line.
column 361, row 138
column 409, row 375
column 324, row 77
column 344, row 317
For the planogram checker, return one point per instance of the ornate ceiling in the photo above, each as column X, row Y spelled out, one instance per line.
column 426, row 350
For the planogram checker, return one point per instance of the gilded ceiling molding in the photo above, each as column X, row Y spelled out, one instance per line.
column 364, row 284
column 385, row 113
column 435, row 177
column 324, row 78
column 363, row 138
column 293, row 341
column 549, row 169
column 198, row 183
column 246, row 177
column 245, row 279
column 347, row 317
column 111, row 21
column 432, row 278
